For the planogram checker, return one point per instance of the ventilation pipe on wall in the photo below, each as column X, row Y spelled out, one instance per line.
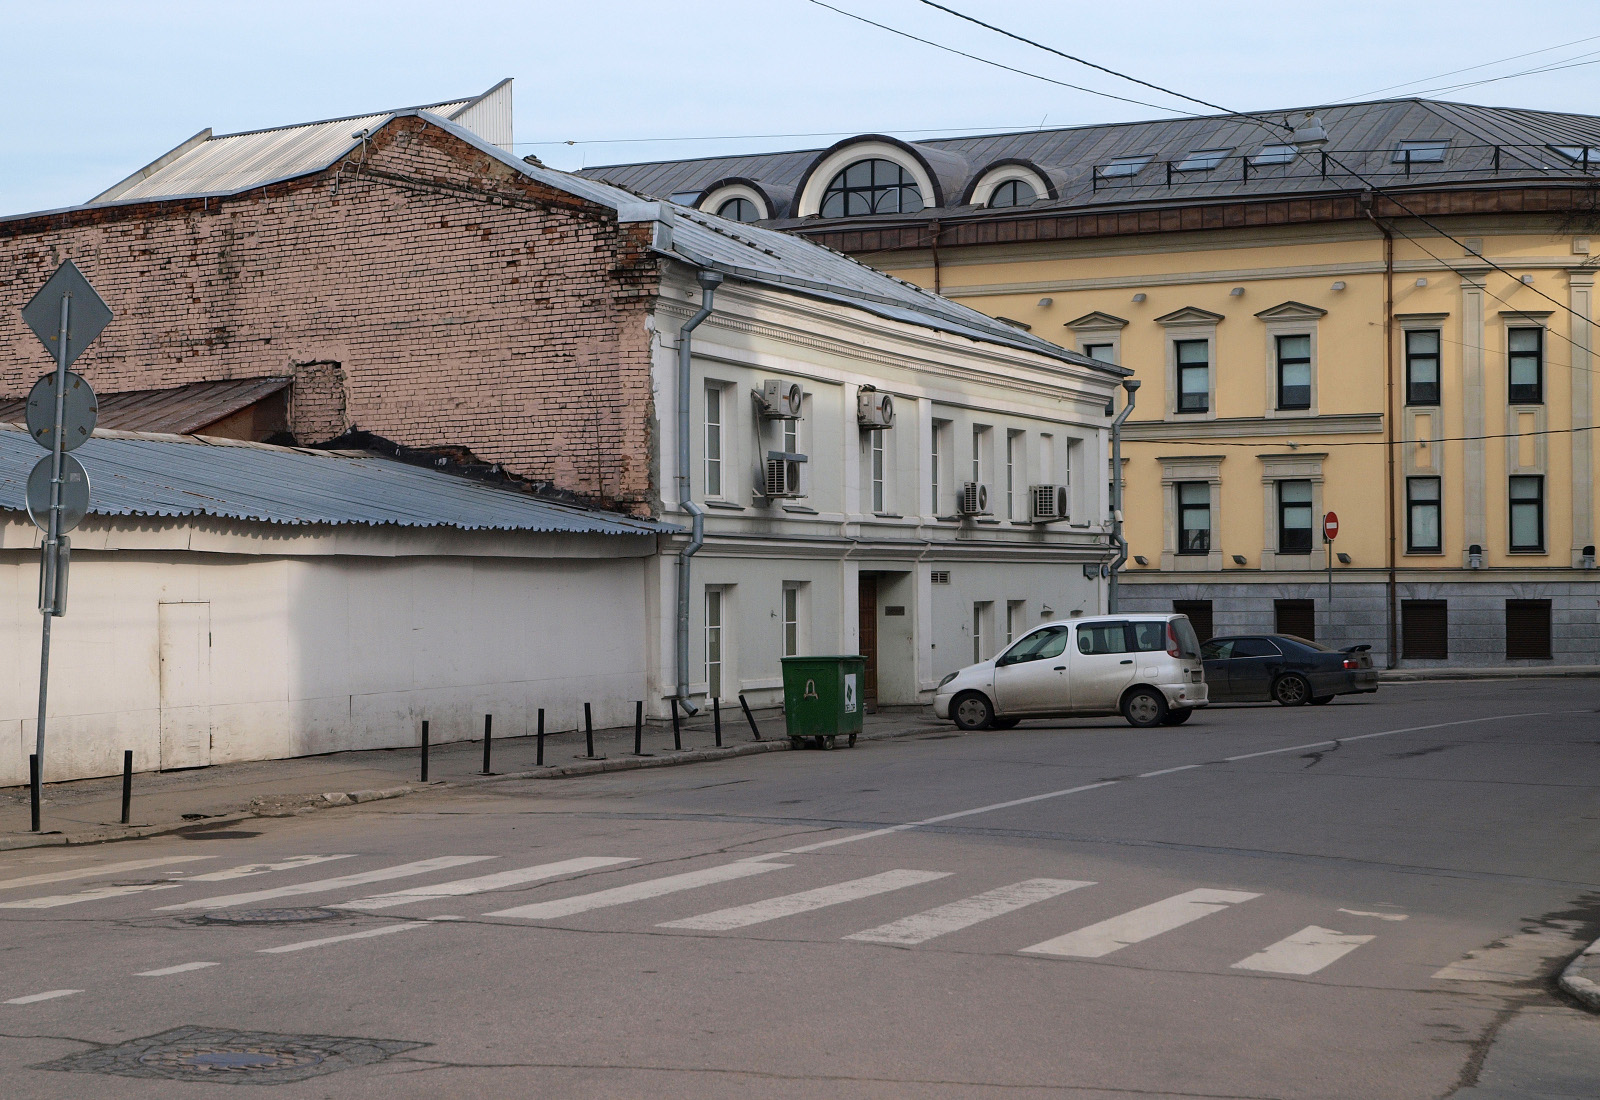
column 709, row 281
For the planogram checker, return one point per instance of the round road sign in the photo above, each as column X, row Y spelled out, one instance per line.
column 74, row 493
column 1330, row 526
column 79, row 412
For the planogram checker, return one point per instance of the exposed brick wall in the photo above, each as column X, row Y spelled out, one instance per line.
column 426, row 288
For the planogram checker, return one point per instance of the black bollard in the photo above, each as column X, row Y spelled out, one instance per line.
column 638, row 728
column 588, row 731
column 539, row 759
column 35, row 794
column 424, row 750
column 127, row 784
column 754, row 732
column 716, row 720
column 677, row 734
column 488, row 737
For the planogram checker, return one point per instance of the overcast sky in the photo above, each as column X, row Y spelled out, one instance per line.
column 98, row 89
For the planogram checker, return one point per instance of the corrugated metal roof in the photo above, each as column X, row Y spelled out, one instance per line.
column 179, row 410
column 149, row 475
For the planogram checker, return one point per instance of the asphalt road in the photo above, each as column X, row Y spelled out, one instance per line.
column 1366, row 899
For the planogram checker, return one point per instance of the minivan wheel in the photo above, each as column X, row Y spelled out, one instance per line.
column 1178, row 716
column 1144, row 708
column 1292, row 690
column 971, row 712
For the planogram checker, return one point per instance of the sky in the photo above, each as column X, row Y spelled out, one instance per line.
column 99, row 89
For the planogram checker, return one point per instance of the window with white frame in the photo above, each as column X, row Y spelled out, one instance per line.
column 1294, row 371
column 1423, row 527
column 1016, row 619
column 1016, row 488
column 1422, row 366
column 792, row 607
column 1294, row 517
column 935, row 447
column 1194, row 516
column 714, row 439
column 980, row 453
column 1525, row 365
column 1194, row 374
column 1527, row 514
column 980, row 613
column 1105, row 353
column 876, row 445
column 715, row 608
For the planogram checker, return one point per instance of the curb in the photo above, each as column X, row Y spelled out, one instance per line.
column 132, row 832
column 1582, row 987
column 1517, row 672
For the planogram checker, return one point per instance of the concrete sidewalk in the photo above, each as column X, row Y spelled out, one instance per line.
column 1488, row 672
column 88, row 811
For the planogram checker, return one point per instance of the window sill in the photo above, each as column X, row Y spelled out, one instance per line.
column 725, row 505
column 887, row 515
column 986, row 521
column 1422, row 405
column 800, row 509
column 1424, row 554
column 1529, row 553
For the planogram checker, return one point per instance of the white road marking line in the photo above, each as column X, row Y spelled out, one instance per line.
column 181, row 968
column 54, row 993
column 100, row 869
column 1305, row 952
column 1139, row 924
column 742, row 916
column 386, row 930
column 483, row 883
column 403, row 870
column 908, row 931
column 638, row 891
column 248, row 869
column 1379, row 916
column 1168, row 771
column 96, row 893
column 1517, row 958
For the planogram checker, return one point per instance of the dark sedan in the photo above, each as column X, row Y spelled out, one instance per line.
column 1257, row 668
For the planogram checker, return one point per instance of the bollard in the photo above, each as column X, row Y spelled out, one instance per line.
column 716, row 720
column 588, row 732
column 424, row 750
column 127, row 784
column 638, row 728
column 539, row 759
column 677, row 734
column 488, row 737
column 754, row 732
column 33, row 787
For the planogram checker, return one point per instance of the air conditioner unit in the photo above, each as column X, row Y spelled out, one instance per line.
column 1049, row 503
column 874, row 409
column 783, row 478
column 780, row 400
column 974, row 499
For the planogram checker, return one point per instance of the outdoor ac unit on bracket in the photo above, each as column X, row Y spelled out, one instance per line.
column 780, row 400
column 974, row 499
column 1049, row 503
column 874, row 409
column 782, row 478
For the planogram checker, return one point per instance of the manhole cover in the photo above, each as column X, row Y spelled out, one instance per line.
column 270, row 916
column 231, row 1057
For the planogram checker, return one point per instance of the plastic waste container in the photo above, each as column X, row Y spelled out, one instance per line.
column 822, row 697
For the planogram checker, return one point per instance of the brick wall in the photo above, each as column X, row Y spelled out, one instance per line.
column 425, row 292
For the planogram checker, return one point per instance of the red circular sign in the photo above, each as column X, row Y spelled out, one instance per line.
column 1330, row 526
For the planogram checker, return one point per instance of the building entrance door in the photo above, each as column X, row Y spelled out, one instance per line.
column 867, row 601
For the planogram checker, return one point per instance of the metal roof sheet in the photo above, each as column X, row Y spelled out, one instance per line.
column 177, row 476
column 178, row 410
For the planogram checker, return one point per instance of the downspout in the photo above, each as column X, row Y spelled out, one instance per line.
column 1131, row 385
column 709, row 281
column 1392, row 583
column 933, row 240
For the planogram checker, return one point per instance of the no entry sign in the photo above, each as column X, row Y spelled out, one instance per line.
column 1330, row 526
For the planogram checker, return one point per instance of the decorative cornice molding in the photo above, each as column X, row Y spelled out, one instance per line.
column 1246, row 427
column 1291, row 311
column 1095, row 321
column 1190, row 315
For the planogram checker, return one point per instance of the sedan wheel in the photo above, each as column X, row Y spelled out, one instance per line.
column 1144, row 708
column 1292, row 690
column 972, row 712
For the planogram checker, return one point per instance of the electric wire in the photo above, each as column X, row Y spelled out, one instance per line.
column 1471, row 68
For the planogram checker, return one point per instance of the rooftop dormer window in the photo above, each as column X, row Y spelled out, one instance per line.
column 739, row 210
column 1201, row 160
column 871, row 187
column 1013, row 193
column 1419, row 152
column 1119, row 167
column 1275, row 154
column 1586, row 155
column 683, row 198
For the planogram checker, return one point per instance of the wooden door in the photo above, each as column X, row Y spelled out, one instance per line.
column 185, row 643
column 867, row 599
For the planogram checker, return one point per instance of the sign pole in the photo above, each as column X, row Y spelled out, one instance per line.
column 47, row 563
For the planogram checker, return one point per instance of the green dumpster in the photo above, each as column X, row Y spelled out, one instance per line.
column 822, row 697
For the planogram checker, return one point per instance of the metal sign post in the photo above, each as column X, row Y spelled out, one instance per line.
column 1330, row 531
column 68, row 425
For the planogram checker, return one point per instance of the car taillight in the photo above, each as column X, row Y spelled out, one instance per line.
column 1351, row 662
column 1172, row 642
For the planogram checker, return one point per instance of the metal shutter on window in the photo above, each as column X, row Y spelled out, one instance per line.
column 1199, row 612
column 1424, row 629
column 1297, row 617
column 1527, row 630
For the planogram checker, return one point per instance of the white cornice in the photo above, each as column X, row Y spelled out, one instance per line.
column 1248, row 427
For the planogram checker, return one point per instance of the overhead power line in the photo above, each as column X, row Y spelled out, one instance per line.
column 1474, row 68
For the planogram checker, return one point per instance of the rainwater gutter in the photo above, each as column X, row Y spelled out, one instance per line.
column 1131, row 385
column 709, row 281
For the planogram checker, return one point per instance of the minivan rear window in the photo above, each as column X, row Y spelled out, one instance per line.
column 1188, row 643
column 1147, row 636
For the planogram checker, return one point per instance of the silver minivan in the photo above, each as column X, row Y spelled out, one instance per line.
column 1146, row 668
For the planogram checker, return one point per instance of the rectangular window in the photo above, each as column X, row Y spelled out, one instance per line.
column 1423, row 525
column 936, row 437
column 1016, row 619
column 1527, row 513
column 714, row 643
column 1419, row 152
column 1013, row 457
column 980, row 612
column 1525, row 365
column 877, row 472
column 1294, row 517
column 791, row 436
column 1194, row 517
column 1199, row 615
column 1527, row 630
column 980, row 457
column 1106, row 353
column 1422, row 367
column 1297, row 617
column 713, row 440
column 1424, row 629
column 1294, row 372
column 1194, row 374
column 791, row 620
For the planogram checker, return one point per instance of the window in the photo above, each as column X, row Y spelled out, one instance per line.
column 714, row 643
column 1419, row 152
column 1527, row 630
column 1294, row 372
column 1586, row 155
column 1422, row 367
column 739, row 210
column 1525, row 365
column 1259, row 647
column 1013, row 456
column 1105, row 353
column 1295, row 617
column 1527, row 514
column 1424, row 629
column 980, row 456
column 877, row 471
column 684, row 198
column 1014, row 193
column 1194, row 517
column 1103, row 638
column 935, row 437
column 1015, row 612
column 1294, row 517
column 1038, row 646
column 1120, row 167
column 871, row 187
column 1147, row 636
column 1198, row 612
column 791, row 433
column 1275, row 154
column 713, row 439
column 1201, row 160
column 1194, row 374
column 791, row 619
column 980, row 612
column 1422, row 516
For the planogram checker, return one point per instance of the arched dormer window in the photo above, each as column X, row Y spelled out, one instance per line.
column 737, row 199
column 874, row 186
column 1008, row 183
column 739, row 209
column 1013, row 193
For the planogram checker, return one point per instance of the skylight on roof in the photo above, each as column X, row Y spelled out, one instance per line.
column 1419, row 152
column 1201, row 160
column 1122, row 166
column 684, row 198
column 1586, row 155
column 1275, row 154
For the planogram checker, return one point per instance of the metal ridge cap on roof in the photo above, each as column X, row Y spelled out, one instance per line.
column 351, row 118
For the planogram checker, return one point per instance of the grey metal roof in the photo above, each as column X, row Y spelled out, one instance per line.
column 178, row 409
column 152, row 475
column 1486, row 144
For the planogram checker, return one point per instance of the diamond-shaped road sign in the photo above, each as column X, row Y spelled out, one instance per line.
column 87, row 317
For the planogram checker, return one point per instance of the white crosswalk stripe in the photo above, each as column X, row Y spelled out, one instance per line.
column 1305, row 952
column 742, row 916
column 1139, row 924
column 248, row 870
column 638, row 891
column 365, row 934
column 97, row 893
column 403, row 870
column 921, row 927
column 498, row 881
column 98, row 871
